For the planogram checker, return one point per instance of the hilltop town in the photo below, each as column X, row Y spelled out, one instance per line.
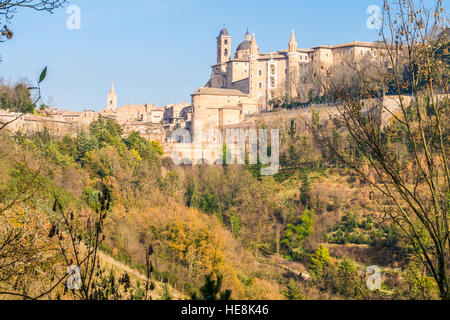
column 150, row 121
column 241, row 85
column 298, row 172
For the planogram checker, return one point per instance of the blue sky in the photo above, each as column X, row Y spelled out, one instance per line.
column 160, row 51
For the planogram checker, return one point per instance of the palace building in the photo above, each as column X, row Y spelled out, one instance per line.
column 245, row 83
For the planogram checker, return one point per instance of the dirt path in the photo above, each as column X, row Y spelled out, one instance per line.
column 156, row 294
column 295, row 268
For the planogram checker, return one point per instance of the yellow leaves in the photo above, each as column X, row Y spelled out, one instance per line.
column 17, row 220
column 136, row 155
column 420, row 24
column 260, row 289
column 157, row 147
column 196, row 242
column 29, row 144
column 30, row 245
column 89, row 156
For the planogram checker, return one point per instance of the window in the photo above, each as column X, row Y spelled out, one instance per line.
column 260, row 72
column 226, row 52
column 301, row 57
column 226, row 41
column 272, row 69
column 260, row 85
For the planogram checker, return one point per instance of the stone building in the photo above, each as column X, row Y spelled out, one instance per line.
column 63, row 123
column 175, row 112
column 146, row 113
column 146, row 119
column 177, row 116
column 245, row 83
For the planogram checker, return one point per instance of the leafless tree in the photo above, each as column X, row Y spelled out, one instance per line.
column 8, row 8
column 414, row 187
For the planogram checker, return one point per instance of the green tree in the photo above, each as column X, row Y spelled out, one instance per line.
column 315, row 117
column 157, row 147
column 211, row 290
column 166, row 293
column 305, row 190
column 417, row 285
column 235, row 225
column 296, row 233
column 207, row 202
column 17, row 99
column 147, row 150
column 347, row 278
column 293, row 291
column 85, row 144
column 319, row 260
column 106, row 132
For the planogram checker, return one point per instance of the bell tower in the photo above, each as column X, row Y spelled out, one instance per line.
column 223, row 46
column 293, row 42
column 112, row 99
column 293, row 75
column 253, row 59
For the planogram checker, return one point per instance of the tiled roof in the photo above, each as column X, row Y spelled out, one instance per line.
column 245, row 45
column 223, row 32
column 351, row 44
column 219, row 92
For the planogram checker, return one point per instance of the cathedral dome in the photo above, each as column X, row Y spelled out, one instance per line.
column 244, row 48
column 245, row 45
